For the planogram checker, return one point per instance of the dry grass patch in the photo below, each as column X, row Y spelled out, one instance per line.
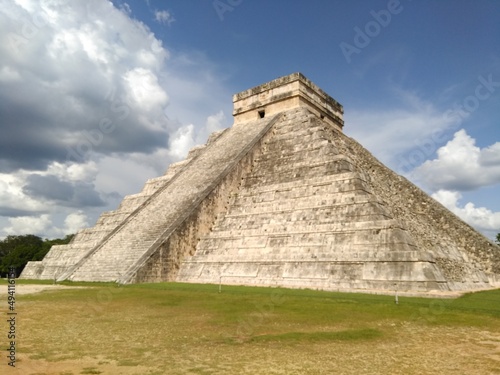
column 192, row 329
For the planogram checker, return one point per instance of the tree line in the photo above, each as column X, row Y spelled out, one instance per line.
column 17, row 251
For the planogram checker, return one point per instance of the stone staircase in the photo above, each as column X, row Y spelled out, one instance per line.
column 61, row 258
column 122, row 252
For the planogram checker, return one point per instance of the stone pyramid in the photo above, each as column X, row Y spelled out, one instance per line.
column 282, row 198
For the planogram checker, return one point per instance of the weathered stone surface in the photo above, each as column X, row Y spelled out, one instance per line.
column 283, row 94
column 281, row 198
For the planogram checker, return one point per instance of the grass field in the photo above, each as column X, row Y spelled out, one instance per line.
column 193, row 329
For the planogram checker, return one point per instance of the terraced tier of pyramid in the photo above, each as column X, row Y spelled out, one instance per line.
column 282, row 198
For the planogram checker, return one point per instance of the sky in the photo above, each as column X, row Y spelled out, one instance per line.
column 96, row 96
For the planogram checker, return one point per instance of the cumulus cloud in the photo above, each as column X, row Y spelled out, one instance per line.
column 74, row 172
column 164, row 17
column 214, row 123
column 479, row 217
column 71, row 194
column 77, row 77
column 83, row 104
column 405, row 137
column 490, row 156
column 121, row 175
column 43, row 225
column 74, row 222
column 181, row 142
column 461, row 165
column 29, row 224
column 24, row 194
column 13, row 201
column 186, row 137
column 422, row 142
column 48, row 187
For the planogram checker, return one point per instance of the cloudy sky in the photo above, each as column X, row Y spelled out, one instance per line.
column 98, row 96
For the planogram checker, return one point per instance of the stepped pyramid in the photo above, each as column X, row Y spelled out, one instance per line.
column 282, row 198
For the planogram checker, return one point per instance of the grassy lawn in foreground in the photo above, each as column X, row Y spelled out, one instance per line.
column 172, row 328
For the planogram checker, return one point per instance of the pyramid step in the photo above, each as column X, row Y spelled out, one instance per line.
column 159, row 216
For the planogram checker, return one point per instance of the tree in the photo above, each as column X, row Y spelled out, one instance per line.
column 498, row 239
column 17, row 251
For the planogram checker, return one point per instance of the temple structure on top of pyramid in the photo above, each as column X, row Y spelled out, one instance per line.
column 282, row 198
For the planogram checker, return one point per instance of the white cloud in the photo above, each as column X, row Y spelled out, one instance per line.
column 73, row 172
column 42, row 225
column 461, row 165
column 187, row 136
column 214, row 123
column 125, row 8
column 40, row 201
column 164, row 17
column 144, row 91
column 74, row 222
column 13, row 201
column 391, row 135
column 490, row 156
column 481, row 218
column 66, row 68
column 414, row 140
column 29, row 224
column 181, row 142
column 9, row 74
column 127, row 174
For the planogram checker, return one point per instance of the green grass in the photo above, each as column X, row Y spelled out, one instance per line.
column 346, row 335
column 176, row 328
column 90, row 370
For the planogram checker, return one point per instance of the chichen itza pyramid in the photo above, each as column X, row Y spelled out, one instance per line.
column 282, row 198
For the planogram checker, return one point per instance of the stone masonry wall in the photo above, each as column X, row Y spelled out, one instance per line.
column 459, row 250
column 61, row 258
column 123, row 253
column 164, row 264
column 306, row 216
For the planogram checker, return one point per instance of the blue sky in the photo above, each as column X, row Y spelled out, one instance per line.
column 99, row 96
